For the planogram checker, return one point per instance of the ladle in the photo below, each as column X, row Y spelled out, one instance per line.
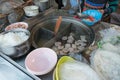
column 79, row 6
column 79, row 14
column 57, row 26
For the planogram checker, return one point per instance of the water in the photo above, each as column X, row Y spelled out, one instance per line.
column 42, row 42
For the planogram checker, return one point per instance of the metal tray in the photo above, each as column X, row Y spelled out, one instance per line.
column 12, row 71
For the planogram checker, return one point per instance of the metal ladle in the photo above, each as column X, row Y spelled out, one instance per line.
column 79, row 6
column 80, row 10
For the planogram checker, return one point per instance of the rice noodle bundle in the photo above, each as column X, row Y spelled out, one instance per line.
column 106, row 64
column 77, row 71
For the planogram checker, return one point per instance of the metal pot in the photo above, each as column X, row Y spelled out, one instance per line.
column 42, row 33
column 17, row 50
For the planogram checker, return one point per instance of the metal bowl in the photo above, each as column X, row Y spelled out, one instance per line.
column 42, row 33
column 17, row 50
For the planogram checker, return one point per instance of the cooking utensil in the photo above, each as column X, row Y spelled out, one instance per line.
column 80, row 11
column 79, row 5
column 48, row 23
column 57, row 26
column 17, row 50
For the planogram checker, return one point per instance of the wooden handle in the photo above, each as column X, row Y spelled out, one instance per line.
column 57, row 26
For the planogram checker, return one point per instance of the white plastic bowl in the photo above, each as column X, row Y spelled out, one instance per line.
column 31, row 10
column 41, row 61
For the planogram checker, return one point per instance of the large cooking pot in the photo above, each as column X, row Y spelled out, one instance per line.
column 42, row 33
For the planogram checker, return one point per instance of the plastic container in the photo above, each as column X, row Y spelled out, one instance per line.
column 62, row 60
column 22, row 25
column 31, row 10
column 16, row 50
column 43, row 4
column 41, row 61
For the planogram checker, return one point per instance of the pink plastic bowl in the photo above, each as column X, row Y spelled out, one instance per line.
column 23, row 25
column 41, row 61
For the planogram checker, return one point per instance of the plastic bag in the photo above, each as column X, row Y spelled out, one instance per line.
column 110, row 40
column 106, row 64
column 93, row 13
column 110, row 35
